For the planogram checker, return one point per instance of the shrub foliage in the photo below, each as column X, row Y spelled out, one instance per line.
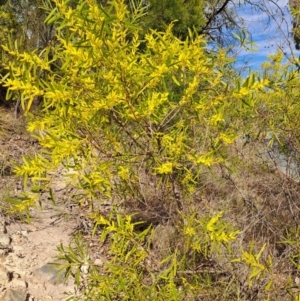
column 138, row 123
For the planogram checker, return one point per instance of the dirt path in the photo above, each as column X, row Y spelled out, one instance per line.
column 27, row 249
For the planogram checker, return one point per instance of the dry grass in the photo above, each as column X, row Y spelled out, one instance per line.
column 261, row 201
column 257, row 198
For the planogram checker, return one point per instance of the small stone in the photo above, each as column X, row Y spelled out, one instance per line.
column 164, row 237
column 99, row 262
column 18, row 283
column 3, row 228
column 16, row 238
column 14, row 295
column 24, row 233
column 4, row 276
column 85, row 268
column 59, row 185
column 49, row 273
column 16, row 275
column 4, row 241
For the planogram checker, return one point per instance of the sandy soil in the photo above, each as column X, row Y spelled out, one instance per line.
column 28, row 248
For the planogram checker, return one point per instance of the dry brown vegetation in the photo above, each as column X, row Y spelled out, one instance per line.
column 259, row 198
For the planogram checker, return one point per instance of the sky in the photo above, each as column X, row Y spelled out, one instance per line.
column 268, row 33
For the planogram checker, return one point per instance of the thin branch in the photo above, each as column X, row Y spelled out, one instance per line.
column 215, row 13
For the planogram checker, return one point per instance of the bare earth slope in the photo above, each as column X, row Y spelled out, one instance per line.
column 27, row 249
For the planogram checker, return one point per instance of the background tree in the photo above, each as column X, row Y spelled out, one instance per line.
column 211, row 18
column 8, row 22
column 295, row 12
column 35, row 34
column 184, row 14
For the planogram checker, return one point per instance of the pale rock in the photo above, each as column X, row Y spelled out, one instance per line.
column 59, row 185
column 4, row 275
column 3, row 229
column 85, row 268
column 16, row 238
column 16, row 275
column 164, row 238
column 99, row 262
column 4, row 241
column 18, row 283
column 14, row 295
column 49, row 273
column 24, row 233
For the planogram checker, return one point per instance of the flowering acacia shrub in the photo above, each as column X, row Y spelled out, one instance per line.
column 126, row 120
column 116, row 109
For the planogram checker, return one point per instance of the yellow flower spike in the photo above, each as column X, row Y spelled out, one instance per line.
column 189, row 231
column 165, row 168
column 211, row 224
